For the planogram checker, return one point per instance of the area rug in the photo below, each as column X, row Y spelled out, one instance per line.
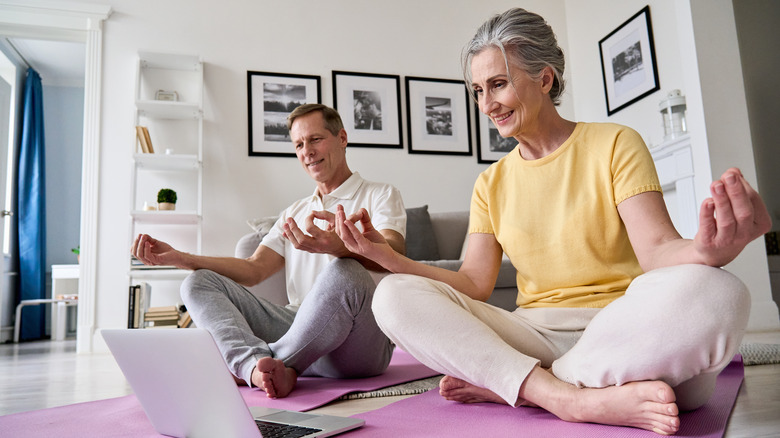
column 760, row 354
column 436, row 417
column 124, row 416
column 410, row 388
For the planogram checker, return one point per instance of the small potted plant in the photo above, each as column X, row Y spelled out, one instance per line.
column 166, row 199
column 77, row 251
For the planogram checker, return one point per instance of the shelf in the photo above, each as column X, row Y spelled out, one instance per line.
column 165, row 217
column 162, row 109
column 170, row 61
column 166, row 162
column 173, row 124
column 158, row 273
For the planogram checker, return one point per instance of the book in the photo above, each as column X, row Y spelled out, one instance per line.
column 131, row 306
column 138, row 301
column 163, row 310
column 145, row 293
column 148, row 139
column 185, row 320
column 139, row 133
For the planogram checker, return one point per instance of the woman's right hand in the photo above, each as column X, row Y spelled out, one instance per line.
column 368, row 243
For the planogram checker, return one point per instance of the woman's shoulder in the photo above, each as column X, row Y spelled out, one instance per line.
column 606, row 128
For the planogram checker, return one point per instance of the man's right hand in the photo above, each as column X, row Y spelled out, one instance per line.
column 153, row 252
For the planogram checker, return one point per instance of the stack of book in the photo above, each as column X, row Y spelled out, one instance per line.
column 140, row 315
column 165, row 316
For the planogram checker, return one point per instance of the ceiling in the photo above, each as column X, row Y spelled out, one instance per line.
column 60, row 63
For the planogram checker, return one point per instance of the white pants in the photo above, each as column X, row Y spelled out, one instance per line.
column 681, row 324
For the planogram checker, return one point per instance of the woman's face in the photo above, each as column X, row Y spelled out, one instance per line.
column 513, row 107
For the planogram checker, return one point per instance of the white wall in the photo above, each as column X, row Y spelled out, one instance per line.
column 406, row 37
column 63, row 126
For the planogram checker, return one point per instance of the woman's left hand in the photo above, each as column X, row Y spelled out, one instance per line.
column 734, row 216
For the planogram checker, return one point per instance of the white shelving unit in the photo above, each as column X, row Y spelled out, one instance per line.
column 176, row 131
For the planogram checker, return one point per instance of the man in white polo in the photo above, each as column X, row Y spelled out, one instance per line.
column 328, row 329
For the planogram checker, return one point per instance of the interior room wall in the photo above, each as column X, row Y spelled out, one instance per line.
column 405, row 37
column 757, row 31
column 63, row 126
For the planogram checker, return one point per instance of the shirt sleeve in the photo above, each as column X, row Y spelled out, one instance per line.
column 387, row 211
column 633, row 168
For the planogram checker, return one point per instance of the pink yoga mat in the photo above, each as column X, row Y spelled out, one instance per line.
column 313, row 392
column 430, row 415
column 124, row 417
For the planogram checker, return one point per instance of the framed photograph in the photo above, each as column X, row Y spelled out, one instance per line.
column 437, row 116
column 272, row 97
column 628, row 63
column 370, row 107
column 491, row 146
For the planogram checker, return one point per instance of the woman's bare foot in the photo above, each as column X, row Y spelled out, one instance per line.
column 646, row 405
column 273, row 377
column 455, row 389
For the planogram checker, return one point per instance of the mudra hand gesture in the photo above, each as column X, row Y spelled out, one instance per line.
column 734, row 216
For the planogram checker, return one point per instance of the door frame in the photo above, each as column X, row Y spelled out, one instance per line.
column 79, row 22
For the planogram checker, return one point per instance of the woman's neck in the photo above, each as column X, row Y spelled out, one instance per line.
column 550, row 133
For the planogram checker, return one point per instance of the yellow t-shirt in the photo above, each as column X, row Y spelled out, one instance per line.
column 557, row 219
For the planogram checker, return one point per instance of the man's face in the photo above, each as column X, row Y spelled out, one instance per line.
column 322, row 154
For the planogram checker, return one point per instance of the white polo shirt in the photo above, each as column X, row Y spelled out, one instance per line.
column 382, row 201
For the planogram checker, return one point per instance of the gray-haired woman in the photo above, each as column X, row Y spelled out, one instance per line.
column 620, row 320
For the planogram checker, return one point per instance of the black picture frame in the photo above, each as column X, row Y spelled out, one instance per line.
column 270, row 99
column 491, row 147
column 370, row 107
column 628, row 63
column 437, row 116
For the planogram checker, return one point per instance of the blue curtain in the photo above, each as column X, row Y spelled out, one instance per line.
column 31, row 209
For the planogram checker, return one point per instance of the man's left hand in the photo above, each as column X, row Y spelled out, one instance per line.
column 315, row 239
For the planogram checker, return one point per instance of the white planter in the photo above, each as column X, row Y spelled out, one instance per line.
column 166, row 206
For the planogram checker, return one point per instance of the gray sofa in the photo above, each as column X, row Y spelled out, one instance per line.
column 432, row 238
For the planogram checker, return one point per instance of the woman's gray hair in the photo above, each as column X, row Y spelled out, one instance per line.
column 524, row 38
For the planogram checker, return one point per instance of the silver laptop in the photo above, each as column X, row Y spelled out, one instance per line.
column 186, row 390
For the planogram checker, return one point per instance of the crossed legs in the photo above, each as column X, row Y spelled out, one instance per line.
column 333, row 333
column 681, row 326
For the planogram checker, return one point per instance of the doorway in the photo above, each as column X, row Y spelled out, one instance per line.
column 61, row 65
column 79, row 22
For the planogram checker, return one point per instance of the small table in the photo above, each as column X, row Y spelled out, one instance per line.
column 62, row 298
column 58, row 315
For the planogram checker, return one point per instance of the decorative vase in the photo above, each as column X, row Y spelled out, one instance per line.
column 166, row 206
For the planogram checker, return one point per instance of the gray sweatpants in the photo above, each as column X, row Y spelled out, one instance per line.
column 332, row 334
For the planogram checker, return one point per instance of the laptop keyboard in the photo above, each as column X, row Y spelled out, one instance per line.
column 276, row 430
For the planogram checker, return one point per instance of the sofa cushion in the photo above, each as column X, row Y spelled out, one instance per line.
column 420, row 240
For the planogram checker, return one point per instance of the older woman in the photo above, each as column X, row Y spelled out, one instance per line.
column 620, row 320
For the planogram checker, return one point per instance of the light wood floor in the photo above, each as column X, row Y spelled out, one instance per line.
column 37, row 375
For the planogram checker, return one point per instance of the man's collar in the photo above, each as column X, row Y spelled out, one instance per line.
column 346, row 190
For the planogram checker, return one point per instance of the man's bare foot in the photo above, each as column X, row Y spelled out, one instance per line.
column 646, row 405
column 273, row 377
column 455, row 389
